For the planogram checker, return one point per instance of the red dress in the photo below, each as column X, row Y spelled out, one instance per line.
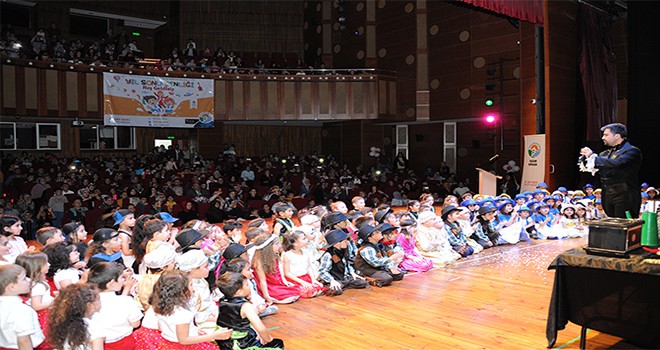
column 311, row 292
column 276, row 287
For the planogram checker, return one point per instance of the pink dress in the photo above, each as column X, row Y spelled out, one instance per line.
column 412, row 261
column 276, row 287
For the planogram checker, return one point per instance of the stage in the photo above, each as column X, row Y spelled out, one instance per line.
column 497, row 299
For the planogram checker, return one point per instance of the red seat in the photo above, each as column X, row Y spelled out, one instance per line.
column 299, row 202
column 90, row 218
column 256, row 204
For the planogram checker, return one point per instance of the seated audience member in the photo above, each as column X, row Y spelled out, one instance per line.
column 240, row 315
column 455, row 235
column 297, row 265
column 372, row 263
column 266, row 264
column 413, row 261
column 433, row 242
column 486, row 227
column 171, row 302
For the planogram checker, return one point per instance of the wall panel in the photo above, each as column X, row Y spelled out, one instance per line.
column 9, row 86
column 71, row 91
column 31, row 95
column 52, row 92
column 92, row 89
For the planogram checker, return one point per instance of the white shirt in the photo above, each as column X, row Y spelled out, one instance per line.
column 17, row 246
column 299, row 264
column 17, row 320
column 117, row 311
column 150, row 319
column 204, row 304
column 41, row 289
column 168, row 323
column 71, row 274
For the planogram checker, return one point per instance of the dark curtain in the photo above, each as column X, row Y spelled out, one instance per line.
column 528, row 10
column 597, row 69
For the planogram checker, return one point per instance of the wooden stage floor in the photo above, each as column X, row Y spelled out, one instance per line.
column 497, row 299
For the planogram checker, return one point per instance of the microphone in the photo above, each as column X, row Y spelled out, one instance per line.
column 493, row 159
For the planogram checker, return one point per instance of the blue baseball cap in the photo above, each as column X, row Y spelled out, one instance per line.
column 167, row 217
column 120, row 215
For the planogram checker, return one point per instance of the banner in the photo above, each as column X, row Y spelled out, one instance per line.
column 534, row 163
column 162, row 102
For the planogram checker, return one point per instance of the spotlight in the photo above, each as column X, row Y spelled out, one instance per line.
column 283, row 161
column 377, row 172
column 321, row 160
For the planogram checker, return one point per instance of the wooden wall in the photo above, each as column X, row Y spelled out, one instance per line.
column 260, row 140
column 312, row 32
column 395, row 47
column 440, row 51
column 239, row 25
column 560, row 91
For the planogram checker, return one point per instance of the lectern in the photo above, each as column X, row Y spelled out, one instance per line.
column 487, row 182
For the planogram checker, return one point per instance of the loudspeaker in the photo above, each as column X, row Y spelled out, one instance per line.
column 419, row 137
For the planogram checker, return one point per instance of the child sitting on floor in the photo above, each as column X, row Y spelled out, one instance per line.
column 335, row 270
column 196, row 264
column 455, row 235
column 372, row 262
column 237, row 313
column 268, row 273
column 412, row 261
column 432, row 242
column 171, row 304
column 243, row 267
column 476, row 238
column 297, row 265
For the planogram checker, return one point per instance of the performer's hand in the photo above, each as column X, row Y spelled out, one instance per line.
column 586, row 151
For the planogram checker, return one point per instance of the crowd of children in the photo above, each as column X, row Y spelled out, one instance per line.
column 145, row 284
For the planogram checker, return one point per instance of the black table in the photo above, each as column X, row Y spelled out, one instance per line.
column 617, row 296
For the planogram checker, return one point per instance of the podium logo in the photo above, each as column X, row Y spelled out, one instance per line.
column 534, row 150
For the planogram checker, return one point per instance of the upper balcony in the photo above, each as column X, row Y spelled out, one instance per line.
column 47, row 89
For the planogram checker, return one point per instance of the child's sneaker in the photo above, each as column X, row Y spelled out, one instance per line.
column 271, row 310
